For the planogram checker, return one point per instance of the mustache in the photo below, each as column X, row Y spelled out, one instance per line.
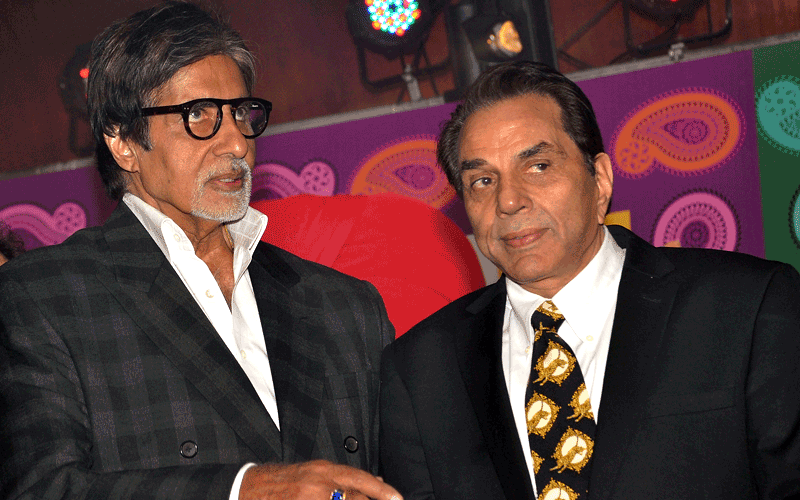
column 240, row 164
column 236, row 166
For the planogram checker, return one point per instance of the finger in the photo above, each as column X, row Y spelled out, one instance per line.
column 358, row 481
column 354, row 495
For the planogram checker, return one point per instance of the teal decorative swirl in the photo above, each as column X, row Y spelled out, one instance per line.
column 778, row 113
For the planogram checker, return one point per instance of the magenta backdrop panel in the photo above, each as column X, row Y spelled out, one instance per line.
column 45, row 209
column 682, row 139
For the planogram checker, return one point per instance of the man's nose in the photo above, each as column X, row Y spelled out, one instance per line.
column 229, row 138
column 512, row 196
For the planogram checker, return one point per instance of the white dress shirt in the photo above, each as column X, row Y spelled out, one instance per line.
column 239, row 325
column 588, row 303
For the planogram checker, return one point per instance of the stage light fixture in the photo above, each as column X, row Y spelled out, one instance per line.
column 393, row 17
column 493, row 38
column 72, row 86
column 395, row 29
column 389, row 27
column 73, row 82
column 666, row 10
column 672, row 14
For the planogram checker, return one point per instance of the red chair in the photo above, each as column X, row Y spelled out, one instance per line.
column 416, row 257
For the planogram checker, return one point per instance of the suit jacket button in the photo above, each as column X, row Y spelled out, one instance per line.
column 351, row 444
column 189, row 449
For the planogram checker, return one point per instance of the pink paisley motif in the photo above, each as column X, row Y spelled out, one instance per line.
column 316, row 177
column 47, row 228
column 685, row 132
column 408, row 168
column 698, row 219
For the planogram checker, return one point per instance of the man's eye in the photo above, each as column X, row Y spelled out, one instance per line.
column 201, row 112
column 241, row 112
column 539, row 166
column 481, row 182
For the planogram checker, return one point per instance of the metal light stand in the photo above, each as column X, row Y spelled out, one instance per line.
column 670, row 37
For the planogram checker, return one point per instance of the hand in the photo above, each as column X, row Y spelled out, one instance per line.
column 314, row 480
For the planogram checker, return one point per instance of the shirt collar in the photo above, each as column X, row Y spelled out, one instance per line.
column 579, row 299
column 245, row 233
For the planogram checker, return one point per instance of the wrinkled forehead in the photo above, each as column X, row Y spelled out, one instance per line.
column 215, row 76
column 530, row 118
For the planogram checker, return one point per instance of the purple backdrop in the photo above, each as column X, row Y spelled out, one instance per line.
column 682, row 139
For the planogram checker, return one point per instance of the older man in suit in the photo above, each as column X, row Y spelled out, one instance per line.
column 598, row 366
column 170, row 354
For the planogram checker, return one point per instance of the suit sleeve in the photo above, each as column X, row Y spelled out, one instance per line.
column 402, row 457
column 773, row 390
column 46, row 435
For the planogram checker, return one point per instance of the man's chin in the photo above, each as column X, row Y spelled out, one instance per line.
column 230, row 211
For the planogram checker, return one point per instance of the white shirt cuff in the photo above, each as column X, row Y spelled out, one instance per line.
column 237, row 483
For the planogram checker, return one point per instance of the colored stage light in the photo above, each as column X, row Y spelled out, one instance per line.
column 393, row 16
column 72, row 86
column 389, row 27
column 493, row 38
column 73, row 81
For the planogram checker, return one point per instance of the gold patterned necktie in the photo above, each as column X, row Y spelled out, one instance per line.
column 558, row 411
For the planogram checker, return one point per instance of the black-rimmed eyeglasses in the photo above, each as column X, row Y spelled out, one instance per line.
column 203, row 117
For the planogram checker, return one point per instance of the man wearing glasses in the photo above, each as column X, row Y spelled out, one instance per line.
column 170, row 354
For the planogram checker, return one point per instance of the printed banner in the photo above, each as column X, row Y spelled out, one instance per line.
column 704, row 155
column 682, row 142
column 777, row 107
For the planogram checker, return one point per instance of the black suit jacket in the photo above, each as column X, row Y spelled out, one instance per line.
column 701, row 395
column 114, row 384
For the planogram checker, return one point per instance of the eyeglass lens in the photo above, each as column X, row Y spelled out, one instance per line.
column 250, row 116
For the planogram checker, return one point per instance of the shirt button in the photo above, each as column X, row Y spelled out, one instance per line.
column 351, row 444
column 176, row 237
column 209, row 294
column 244, row 354
column 189, row 449
column 528, row 350
column 589, row 338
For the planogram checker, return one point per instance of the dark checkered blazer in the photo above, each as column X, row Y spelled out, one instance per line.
column 114, row 384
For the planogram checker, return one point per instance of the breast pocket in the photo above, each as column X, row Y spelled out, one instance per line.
column 663, row 405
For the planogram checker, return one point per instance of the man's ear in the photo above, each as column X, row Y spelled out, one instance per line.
column 122, row 151
column 604, row 178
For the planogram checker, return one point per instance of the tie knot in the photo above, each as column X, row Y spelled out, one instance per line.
column 550, row 309
column 547, row 315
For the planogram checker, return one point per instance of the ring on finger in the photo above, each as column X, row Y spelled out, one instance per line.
column 338, row 495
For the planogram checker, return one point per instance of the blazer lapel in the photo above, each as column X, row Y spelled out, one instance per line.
column 644, row 303
column 297, row 352
column 479, row 352
column 157, row 300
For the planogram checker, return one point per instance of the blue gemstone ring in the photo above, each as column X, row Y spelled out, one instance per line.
column 338, row 495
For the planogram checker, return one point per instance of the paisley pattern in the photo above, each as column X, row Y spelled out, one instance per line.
column 698, row 219
column 48, row 229
column 408, row 168
column 272, row 180
column 685, row 132
column 778, row 113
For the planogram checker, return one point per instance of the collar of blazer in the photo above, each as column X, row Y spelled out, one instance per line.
column 647, row 291
column 646, row 294
column 478, row 348
column 142, row 280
